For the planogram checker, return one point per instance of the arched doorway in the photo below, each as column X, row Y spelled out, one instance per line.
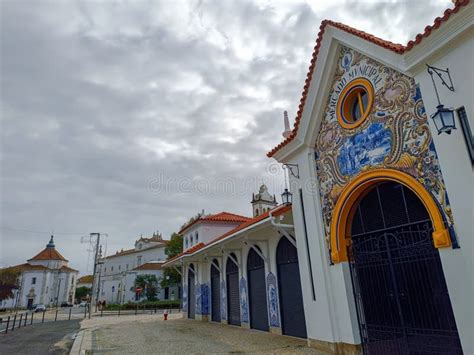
column 233, row 299
column 289, row 286
column 191, row 292
column 215, row 291
column 401, row 295
column 257, row 291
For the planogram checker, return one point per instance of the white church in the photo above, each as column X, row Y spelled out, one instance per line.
column 45, row 279
column 372, row 250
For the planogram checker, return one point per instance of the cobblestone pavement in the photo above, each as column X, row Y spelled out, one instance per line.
column 152, row 335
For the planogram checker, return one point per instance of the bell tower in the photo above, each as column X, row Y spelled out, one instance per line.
column 262, row 201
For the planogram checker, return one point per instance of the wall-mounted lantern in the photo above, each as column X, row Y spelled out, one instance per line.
column 287, row 197
column 443, row 118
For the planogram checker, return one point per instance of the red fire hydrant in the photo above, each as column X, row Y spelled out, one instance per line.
column 165, row 314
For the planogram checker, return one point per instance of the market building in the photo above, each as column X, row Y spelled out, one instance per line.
column 389, row 220
column 375, row 253
column 45, row 279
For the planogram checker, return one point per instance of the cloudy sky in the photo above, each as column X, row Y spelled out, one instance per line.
column 126, row 117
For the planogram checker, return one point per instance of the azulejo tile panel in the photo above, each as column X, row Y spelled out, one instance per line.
column 244, row 304
column 272, row 293
column 223, row 300
column 205, row 299
column 396, row 135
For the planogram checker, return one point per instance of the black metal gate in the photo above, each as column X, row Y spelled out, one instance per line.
column 257, row 291
column 191, row 292
column 233, row 300
column 289, row 287
column 215, row 293
column 401, row 295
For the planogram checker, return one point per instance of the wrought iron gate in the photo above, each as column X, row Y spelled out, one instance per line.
column 401, row 295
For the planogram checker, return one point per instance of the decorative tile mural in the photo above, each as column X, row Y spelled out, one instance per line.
column 272, row 294
column 396, row 135
column 205, row 299
column 223, row 300
column 185, row 297
column 244, row 304
column 198, row 298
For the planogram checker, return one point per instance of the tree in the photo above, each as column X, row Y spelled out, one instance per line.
column 149, row 284
column 82, row 292
column 170, row 276
column 8, row 282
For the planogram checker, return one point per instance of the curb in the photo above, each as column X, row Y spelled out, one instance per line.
column 83, row 343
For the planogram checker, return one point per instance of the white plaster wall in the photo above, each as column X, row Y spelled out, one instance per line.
column 331, row 316
column 207, row 231
column 458, row 264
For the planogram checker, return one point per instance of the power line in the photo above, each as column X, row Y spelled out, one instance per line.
column 41, row 232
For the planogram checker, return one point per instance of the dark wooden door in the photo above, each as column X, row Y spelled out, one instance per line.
column 215, row 294
column 233, row 299
column 257, row 291
column 289, row 287
column 191, row 293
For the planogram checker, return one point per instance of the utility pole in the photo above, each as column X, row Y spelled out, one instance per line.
column 94, row 287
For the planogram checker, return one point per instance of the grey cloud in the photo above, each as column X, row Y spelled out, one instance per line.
column 101, row 98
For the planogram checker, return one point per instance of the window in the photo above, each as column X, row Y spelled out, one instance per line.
column 355, row 103
column 33, row 281
column 139, row 260
column 191, row 239
column 466, row 130
column 256, row 212
column 127, row 266
column 120, row 266
column 105, row 269
column 186, row 242
column 47, row 289
column 197, row 237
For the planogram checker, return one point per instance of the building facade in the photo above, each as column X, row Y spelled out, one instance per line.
column 45, row 279
column 374, row 254
column 116, row 274
column 389, row 220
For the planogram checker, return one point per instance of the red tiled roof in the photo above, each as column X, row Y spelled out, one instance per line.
column 131, row 251
column 87, row 279
column 29, row 267
column 48, row 253
column 67, row 268
column 150, row 266
column 222, row 217
column 277, row 211
column 25, row 267
column 397, row 48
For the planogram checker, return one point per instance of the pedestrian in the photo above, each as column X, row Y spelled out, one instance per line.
column 165, row 314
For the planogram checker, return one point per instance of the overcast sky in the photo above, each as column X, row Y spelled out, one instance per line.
column 126, row 117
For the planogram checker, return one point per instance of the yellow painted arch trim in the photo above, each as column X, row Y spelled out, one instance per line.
column 352, row 193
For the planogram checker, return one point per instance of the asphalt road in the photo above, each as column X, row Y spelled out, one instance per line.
column 47, row 338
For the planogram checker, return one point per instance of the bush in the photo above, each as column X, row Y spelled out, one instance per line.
column 165, row 304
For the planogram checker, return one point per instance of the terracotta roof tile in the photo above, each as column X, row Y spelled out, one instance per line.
column 279, row 210
column 29, row 267
column 395, row 47
column 48, row 253
column 150, row 266
column 222, row 217
column 87, row 279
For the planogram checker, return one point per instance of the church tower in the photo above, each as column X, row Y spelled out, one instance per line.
column 262, row 201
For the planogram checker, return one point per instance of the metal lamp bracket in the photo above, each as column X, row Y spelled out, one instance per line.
column 293, row 169
column 440, row 73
